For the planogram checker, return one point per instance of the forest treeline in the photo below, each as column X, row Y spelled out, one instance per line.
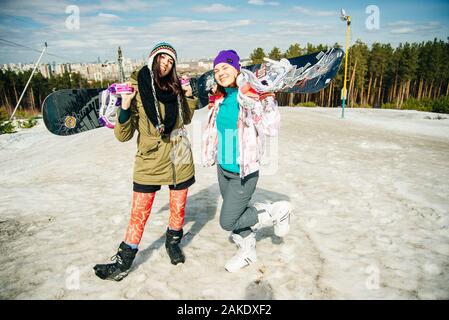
column 410, row 76
column 12, row 85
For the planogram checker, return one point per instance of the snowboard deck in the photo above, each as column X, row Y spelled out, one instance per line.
column 70, row 111
column 319, row 69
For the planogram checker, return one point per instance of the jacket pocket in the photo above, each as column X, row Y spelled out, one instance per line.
column 148, row 148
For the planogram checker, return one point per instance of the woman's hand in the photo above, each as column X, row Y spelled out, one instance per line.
column 251, row 93
column 127, row 98
column 265, row 95
column 187, row 90
column 185, row 85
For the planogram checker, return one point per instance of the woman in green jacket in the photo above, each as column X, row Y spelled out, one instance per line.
column 158, row 110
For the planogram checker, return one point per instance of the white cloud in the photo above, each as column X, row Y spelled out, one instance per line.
column 432, row 25
column 45, row 10
column 409, row 27
column 315, row 13
column 102, row 39
column 214, row 8
column 293, row 29
column 122, row 6
column 401, row 23
column 291, row 24
column 263, row 3
column 100, row 35
column 108, row 15
column 177, row 26
column 403, row 30
column 242, row 23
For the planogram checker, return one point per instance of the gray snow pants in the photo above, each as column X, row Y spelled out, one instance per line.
column 235, row 214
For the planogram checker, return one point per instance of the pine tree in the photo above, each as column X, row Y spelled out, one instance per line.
column 275, row 54
column 310, row 48
column 293, row 51
column 257, row 56
column 358, row 67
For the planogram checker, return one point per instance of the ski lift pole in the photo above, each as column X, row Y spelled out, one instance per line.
column 29, row 80
column 346, row 18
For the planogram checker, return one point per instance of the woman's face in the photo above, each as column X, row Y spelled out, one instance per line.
column 165, row 64
column 225, row 75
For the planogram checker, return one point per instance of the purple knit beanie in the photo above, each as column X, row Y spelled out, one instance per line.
column 228, row 56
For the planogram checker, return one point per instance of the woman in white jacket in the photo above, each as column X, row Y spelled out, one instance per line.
column 234, row 139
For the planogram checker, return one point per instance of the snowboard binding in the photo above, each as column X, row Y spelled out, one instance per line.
column 110, row 101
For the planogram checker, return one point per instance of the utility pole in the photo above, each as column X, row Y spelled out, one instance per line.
column 344, row 92
column 29, row 80
column 120, row 66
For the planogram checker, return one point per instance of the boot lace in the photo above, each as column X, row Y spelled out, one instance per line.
column 117, row 258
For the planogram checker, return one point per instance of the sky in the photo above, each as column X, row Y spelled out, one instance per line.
column 83, row 31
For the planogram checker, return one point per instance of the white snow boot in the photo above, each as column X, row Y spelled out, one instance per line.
column 246, row 253
column 275, row 214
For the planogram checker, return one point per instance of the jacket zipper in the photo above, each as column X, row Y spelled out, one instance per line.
column 174, row 174
column 172, row 158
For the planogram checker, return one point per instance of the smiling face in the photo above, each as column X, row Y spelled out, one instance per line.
column 165, row 64
column 225, row 75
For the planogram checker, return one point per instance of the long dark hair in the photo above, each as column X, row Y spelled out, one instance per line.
column 171, row 83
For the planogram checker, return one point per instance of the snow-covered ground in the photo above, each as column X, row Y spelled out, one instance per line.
column 371, row 218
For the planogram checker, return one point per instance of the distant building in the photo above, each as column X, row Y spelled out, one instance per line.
column 45, row 70
column 245, row 62
column 183, row 65
column 90, row 71
column 63, row 68
column 207, row 65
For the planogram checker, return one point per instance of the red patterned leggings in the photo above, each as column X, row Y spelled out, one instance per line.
column 141, row 209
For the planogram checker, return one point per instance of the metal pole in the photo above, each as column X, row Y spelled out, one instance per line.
column 29, row 80
column 344, row 93
column 120, row 66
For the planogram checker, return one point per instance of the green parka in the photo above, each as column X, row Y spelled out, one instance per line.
column 153, row 162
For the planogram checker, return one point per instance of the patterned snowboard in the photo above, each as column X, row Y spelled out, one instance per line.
column 72, row 111
column 319, row 69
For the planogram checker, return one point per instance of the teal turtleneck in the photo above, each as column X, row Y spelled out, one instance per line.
column 228, row 148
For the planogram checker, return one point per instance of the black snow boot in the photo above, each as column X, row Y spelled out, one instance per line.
column 172, row 245
column 118, row 270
